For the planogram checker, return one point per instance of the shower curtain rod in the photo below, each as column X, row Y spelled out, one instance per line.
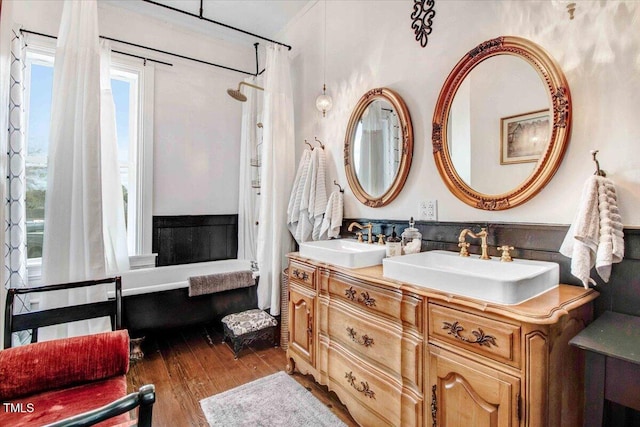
column 157, row 50
column 113, row 50
column 201, row 17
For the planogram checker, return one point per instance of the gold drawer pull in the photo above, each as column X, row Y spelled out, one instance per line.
column 364, row 340
column 481, row 339
column 364, row 297
column 300, row 274
column 362, row 388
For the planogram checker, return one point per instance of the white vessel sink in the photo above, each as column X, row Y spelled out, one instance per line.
column 487, row 280
column 342, row 252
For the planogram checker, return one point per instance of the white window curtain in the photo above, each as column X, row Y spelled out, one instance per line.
column 74, row 241
column 114, row 226
column 15, row 217
column 250, row 164
column 277, row 174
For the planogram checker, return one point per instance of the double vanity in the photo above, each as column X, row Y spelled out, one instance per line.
column 437, row 339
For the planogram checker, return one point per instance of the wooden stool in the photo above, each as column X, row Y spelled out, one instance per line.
column 248, row 326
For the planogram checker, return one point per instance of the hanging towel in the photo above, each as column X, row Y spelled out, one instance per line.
column 218, row 282
column 592, row 234
column 296, row 198
column 611, row 242
column 333, row 216
column 305, row 223
column 318, row 194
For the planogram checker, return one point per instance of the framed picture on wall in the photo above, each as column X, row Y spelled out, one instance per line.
column 524, row 137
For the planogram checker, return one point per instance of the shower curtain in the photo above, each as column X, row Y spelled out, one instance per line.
column 250, row 155
column 372, row 151
column 15, row 259
column 277, row 173
column 81, row 205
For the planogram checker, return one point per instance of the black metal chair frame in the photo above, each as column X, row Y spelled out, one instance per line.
column 33, row 321
column 144, row 398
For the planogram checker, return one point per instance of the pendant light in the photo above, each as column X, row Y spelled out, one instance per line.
column 324, row 101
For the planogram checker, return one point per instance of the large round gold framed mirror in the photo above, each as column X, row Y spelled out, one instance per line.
column 378, row 147
column 502, row 123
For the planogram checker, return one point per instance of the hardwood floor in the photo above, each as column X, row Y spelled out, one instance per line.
column 188, row 365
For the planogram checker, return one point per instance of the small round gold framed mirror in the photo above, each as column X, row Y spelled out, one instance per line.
column 378, row 147
column 502, row 123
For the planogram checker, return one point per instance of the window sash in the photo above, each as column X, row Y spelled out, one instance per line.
column 140, row 164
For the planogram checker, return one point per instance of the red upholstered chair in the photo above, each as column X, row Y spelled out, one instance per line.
column 72, row 382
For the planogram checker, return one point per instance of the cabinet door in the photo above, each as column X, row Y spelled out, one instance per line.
column 466, row 393
column 301, row 315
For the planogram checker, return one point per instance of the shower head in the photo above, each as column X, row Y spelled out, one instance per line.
column 237, row 93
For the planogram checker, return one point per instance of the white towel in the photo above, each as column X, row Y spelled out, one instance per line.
column 296, row 198
column 592, row 234
column 318, row 193
column 305, row 223
column 333, row 215
column 611, row 242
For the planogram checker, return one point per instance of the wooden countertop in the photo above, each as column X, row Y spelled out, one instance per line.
column 543, row 309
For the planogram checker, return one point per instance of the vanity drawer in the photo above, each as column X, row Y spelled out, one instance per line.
column 496, row 340
column 369, row 298
column 372, row 397
column 367, row 334
column 302, row 273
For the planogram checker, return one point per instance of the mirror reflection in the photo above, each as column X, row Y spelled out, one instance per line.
column 500, row 121
column 377, row 147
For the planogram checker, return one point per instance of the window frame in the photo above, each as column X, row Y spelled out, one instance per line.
column 139, row 245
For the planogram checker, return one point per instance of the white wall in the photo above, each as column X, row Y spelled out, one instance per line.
column 196, row 124
column 370, row 47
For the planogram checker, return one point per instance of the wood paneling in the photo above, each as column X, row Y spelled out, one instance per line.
column 186, row 239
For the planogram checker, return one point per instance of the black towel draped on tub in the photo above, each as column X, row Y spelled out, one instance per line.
column 212, row 283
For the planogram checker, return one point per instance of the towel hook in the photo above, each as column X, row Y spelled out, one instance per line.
column 319, row 142
column 599, row 171
column 335, row 183
column 307, row 142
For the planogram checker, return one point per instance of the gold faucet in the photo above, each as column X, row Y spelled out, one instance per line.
column 361, row 227
column 463, row 245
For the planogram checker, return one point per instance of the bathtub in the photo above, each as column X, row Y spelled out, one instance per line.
column 158, row 298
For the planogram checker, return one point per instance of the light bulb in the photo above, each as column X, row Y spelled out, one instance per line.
column 324, row 102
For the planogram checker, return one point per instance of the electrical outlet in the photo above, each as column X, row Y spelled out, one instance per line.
column 429, row 210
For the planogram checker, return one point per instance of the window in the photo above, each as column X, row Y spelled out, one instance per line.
column 128, row 81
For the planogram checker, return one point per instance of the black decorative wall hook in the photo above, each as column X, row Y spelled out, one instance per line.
column 422, row 15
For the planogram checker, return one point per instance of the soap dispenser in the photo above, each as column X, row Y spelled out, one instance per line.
column 394, row 246
column 410, row 233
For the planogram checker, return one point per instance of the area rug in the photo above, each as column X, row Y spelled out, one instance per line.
column 276, row 400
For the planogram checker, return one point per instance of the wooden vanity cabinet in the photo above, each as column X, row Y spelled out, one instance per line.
column 302, row 327
column 371, row 349
column 534, row 371
column 466, row 393
column 400, row 355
